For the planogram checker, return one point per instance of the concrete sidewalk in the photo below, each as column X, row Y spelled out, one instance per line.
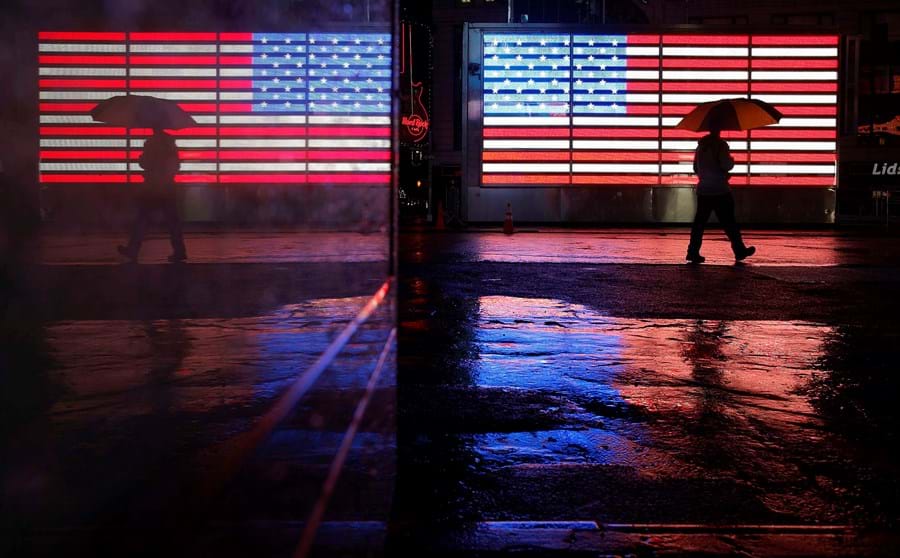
column 796, row 247
column 234, row 246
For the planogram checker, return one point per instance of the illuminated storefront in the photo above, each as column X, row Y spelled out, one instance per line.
column 579, row 126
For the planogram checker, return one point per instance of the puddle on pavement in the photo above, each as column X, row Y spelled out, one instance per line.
column 686, row 384
column 131, row 368
column 544, row 447
column 651, row 418
column 127, row 405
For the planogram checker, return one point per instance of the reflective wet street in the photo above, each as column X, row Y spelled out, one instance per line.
column 132, row 394
column 776, row 248
column 563, row 393
column 604, row 400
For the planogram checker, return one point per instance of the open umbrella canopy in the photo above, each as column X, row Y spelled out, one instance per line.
column 142, row 111
column 730, row 114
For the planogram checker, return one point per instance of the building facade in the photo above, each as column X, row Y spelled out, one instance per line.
column 869, row 87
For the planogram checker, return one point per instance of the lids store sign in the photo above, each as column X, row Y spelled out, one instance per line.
column 870, row 174
column 885, row 169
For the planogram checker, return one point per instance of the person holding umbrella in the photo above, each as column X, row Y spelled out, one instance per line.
column 160, row 161
column 713, row 163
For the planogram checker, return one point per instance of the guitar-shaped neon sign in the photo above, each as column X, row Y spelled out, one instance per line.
column 414, row 117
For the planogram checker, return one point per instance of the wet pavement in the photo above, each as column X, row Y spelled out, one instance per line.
column 569, row 392
column 820, row 247
column 558, row 388
column 220, row 247
column 128, row 390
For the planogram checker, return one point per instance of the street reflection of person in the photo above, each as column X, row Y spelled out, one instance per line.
column 712, row 163
column 157, row 196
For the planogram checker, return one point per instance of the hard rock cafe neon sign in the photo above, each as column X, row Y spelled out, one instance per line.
column 416, row 126
column 414, row 118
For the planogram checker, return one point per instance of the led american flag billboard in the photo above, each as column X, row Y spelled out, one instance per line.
column 571, row 109
column 271, row 108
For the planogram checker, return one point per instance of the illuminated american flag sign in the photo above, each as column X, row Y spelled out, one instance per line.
column 598, row 109
column 527, row 132
column 270, row 107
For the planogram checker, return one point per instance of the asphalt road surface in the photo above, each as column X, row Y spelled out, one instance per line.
column 552, row 380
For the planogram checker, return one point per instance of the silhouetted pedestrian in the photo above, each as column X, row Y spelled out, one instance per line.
column 157, row 197
column 712, row 163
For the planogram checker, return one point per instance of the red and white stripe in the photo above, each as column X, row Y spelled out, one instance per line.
column 181, row 67
column 622, row 149
column 78, row 69
column 798, row 74
column 696, row 69
column 348, row 149
column 527, row 150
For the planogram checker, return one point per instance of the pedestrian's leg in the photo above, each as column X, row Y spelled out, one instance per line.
column 704, row 208
column 724, row 209
column 138, row 229
column 176, row 236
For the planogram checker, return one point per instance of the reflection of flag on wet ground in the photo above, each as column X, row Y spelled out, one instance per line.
column 601, row 109
column 249, row 92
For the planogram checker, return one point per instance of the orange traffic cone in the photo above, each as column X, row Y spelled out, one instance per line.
column 439, row 222
column 507, row 223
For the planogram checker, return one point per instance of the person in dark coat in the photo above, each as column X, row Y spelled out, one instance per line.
column 157, row 196
column 712, row 163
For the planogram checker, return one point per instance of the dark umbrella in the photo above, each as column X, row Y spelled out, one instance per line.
column 142, row 111
column 730, row 114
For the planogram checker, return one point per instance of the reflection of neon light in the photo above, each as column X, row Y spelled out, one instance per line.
column 280, row 108
column 521, row 343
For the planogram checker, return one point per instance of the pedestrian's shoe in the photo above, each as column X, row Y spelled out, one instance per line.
column 745, row 253
column 695, row 258
column 125, row 251
column 178, row 257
